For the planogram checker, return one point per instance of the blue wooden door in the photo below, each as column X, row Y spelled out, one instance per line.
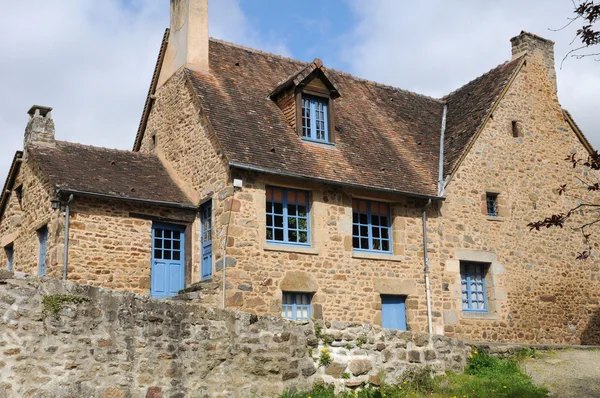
column 393, row 312
column 43, row 238
column 206, row 237
column 168, row 272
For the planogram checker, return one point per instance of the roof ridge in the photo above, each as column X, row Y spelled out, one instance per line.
column 137, row 153
column 305, row 63
column 445, row 97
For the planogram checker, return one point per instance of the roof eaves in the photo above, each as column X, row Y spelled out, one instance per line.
column 259, row 169
column 67, row 191
column 10, row 180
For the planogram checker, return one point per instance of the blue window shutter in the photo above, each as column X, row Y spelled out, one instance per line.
column 393, row 312
column 43, row 239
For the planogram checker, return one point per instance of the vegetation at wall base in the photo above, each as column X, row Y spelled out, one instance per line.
column 485, row 376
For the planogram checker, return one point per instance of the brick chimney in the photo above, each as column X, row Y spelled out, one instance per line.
column 40, row 128
column 539, row 50
column 188, row 38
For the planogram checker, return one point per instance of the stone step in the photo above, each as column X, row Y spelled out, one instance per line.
column 202, row 286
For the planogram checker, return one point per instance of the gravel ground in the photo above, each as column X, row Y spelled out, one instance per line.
column 567, row 373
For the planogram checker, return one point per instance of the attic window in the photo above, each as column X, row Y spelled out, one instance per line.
column 19, row 193
column 314, row 118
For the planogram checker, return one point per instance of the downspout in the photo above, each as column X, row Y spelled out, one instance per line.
column 66, row 248
column 441, row 185
column 426, row 261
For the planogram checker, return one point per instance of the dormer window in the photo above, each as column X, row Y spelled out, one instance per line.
column 306, row 100
column 314, row 118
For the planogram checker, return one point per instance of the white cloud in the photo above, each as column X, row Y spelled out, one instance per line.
column 434, row 47
column 92, row 62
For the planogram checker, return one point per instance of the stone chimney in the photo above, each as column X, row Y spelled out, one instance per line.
column 539, row 50
column 40, row 128
column 188, row 38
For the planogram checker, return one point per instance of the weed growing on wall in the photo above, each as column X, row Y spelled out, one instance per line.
column 52, row 303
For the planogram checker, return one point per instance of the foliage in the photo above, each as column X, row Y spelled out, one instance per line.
column 318, row 330
column 360, row 341
column 348, row 346
column 325, row 357
column 327, row 339
column 485, row 376
column 52, row 303
column 588, row 210
column 587, row 18
column 345, row 375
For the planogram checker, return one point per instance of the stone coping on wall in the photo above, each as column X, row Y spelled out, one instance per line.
column 58, row 333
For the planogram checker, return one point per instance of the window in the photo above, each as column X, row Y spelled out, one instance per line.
column 472, row 279
column 296, row 306
column 287, row 216
column 491, row 200
column 43, row 238
column 371, row 226
column 19, row 193
column 314, row 118
column 9, row 251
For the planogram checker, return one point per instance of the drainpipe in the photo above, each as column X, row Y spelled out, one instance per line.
column 426, row 261
column 441, row 164
column 237, row 184
column 66, row 249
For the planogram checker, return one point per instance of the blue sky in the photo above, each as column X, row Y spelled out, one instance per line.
column 92, row 60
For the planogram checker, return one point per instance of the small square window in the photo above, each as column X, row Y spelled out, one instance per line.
column 492, row 204
column 516, row 129
column 19, row 193
column 295, row 306
column 472, row 280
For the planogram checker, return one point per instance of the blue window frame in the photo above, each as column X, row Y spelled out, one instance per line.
column 371, row 226
column 287, row 216
column 10, row 252
column 472, row 279
column 296, row 306
column 315, row 119
column 492, row 204
column 43, row 238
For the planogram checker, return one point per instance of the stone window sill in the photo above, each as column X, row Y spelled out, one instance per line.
column 495, row 218
column 291, row 249
column 480, row 315
column 376, row 256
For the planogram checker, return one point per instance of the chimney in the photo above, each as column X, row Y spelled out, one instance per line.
column 40, row 128
column 539, row 50
column 188, row 38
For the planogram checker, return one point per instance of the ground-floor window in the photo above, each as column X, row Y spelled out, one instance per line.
column 296, row 306
column 393, row 312
column 472, row 280
column 9, row 251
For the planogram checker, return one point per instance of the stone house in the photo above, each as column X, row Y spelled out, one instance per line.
column 325, row 195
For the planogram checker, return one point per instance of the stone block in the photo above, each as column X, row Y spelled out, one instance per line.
column 421, row 339
column 360, row 367
column 450, row 317
column 414, row 356
column 336, row 369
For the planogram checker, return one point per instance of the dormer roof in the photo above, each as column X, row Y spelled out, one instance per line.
column 314, row 69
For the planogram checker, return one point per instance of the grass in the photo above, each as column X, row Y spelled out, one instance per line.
column 485, row 376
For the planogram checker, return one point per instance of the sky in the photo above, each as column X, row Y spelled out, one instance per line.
column 92, row 61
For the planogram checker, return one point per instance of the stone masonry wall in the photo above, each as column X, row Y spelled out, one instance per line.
column 537, row 291
column 21, row 221
column 111, row 243
column 114, row 344
column 346, row 285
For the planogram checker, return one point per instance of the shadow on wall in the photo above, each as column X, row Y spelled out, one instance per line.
column 591, row 334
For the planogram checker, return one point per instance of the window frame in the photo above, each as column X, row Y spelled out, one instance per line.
column 285, row 216
column 295, row 306
column 325, row 96
column 370, row 227
column 9, row 252
column 466, row 272
column 491, row 196
column 312, row 129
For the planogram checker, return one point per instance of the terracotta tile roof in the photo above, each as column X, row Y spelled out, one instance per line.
column 386, row 138
column 469, row 107
column 112, row 172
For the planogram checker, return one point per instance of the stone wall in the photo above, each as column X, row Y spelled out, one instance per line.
column 22, row 218
column 114, row 344
column 537, row 291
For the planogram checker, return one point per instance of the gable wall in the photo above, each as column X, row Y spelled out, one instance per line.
column 20, row 223
column 190, row 153
column 537, row 290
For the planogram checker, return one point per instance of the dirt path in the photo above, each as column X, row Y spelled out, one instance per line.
column 567, row 373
